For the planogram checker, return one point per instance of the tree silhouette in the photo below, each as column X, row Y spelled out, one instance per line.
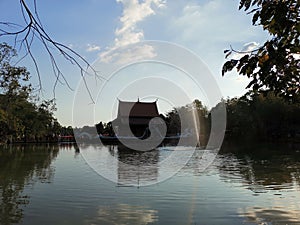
column 275, row 65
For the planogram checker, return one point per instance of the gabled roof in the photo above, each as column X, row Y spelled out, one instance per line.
column 137, row 109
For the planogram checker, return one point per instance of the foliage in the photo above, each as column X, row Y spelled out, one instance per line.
column 105, row 129
column 184, row 116
column 262, row 116
column 22, row 118
column 274, row 66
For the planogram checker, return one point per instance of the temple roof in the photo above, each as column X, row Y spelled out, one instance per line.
column 137, row 109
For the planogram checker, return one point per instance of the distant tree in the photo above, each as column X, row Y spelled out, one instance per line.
column 99, row 128
column 182, row 119
column 173, row 122
column 66, row 131
column 262, row 117
column 275, row 65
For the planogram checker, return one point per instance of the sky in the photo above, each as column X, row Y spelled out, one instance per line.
column 142, row 48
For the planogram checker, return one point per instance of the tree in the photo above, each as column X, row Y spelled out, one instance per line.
column 22, row 116
column 274, row 66
column 13, row 94
column 262, row 117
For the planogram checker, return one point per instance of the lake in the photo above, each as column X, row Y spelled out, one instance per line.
column 58, row 184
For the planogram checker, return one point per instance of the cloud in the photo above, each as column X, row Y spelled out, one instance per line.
column 92, row 48
column 134, row 12
column 250, row 46
column 129, row 55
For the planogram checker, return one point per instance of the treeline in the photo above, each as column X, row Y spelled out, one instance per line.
column 23, row 117
column 264, row 117
column 254, row 117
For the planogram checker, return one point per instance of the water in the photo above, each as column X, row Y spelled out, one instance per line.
column 49, row 184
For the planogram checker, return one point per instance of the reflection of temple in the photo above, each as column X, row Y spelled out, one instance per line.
column 135, row 114
column 137, row 168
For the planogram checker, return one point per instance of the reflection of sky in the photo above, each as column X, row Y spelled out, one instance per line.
column 125, row 214
column 272, row 215
column 136, row 169
column 272, row 182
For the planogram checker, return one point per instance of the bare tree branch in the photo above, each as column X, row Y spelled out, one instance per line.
column 34, row 30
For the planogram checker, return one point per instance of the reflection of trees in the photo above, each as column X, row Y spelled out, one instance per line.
column 263, row 169
column 20, row 166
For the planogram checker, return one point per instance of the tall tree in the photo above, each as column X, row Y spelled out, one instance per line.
column 275, row 65
column 20, row 116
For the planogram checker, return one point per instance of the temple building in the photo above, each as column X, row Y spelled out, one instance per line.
column 137, row 115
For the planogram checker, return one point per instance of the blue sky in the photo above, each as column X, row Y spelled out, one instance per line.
column 97, row 28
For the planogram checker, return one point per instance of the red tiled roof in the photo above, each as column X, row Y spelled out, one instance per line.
column 137, row 109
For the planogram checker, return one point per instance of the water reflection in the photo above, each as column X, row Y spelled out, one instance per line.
column 276, row 215
column 121, row 165
column 262, row 169
column 22, row 165
column 125, row 214
column 257, row 186
column 135, row 168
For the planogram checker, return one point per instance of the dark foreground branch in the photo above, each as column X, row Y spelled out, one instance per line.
column 24, row 37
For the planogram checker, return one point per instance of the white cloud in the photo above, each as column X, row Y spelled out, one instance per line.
column 92, row 48
column 134, row 12
column 129, row 55
column 250, row 46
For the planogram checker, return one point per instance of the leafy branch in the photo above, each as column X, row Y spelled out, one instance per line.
column 274, row 66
